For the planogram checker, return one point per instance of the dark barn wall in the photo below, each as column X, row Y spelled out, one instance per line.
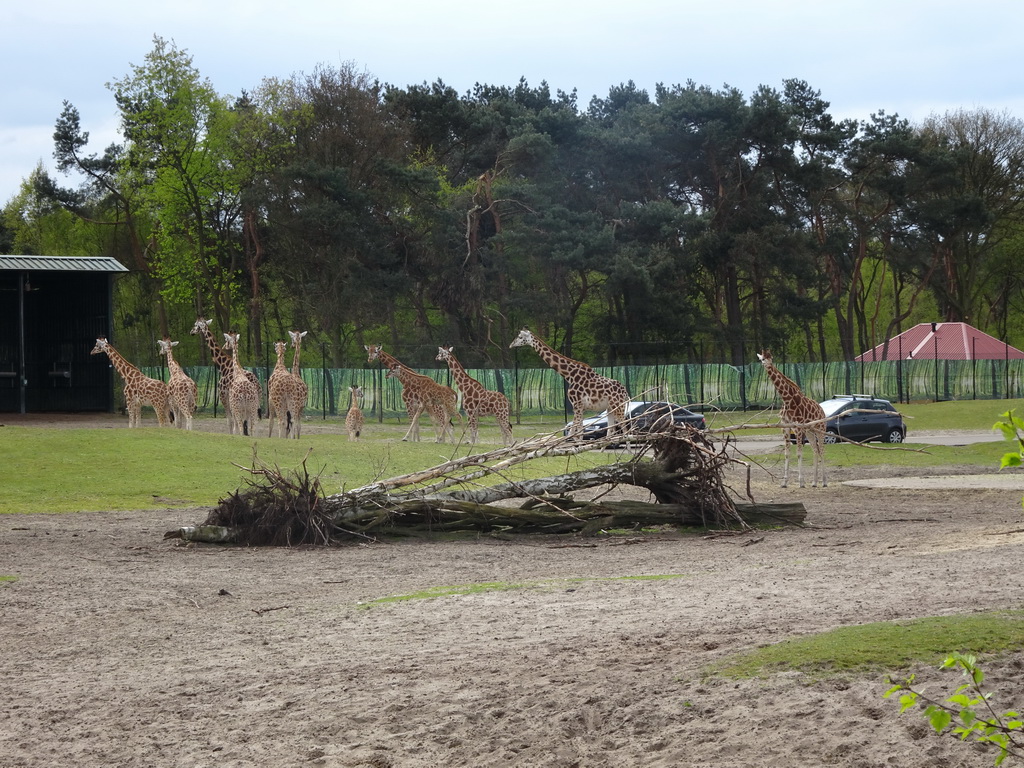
column 64, row 314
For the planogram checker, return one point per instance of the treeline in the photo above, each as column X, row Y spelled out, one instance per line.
column 688, row 225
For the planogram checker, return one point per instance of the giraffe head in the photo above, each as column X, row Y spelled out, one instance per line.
column 201, row 326
column 230, row 340
column 279, row 349
column 444, row 353
column 356, row 390
column 165, row 345
column 372, row 352
column 297, row 337
column 393, row 372
column 524, row 339
column 101, row 346
column 765, row 356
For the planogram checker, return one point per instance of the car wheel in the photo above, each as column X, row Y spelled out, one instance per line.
column 831, row 437
column 895, row 435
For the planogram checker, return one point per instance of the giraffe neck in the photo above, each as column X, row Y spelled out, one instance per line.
column 126, row 370
column 466, row 382
column 388, row 361
column 786, row 387
column 561, row 363
column 280, row 367
column 295, row 358
column 220, row 357
column 172, row 364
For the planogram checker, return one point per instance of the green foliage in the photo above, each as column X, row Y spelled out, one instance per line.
column 968, row 713
column 1012, row 428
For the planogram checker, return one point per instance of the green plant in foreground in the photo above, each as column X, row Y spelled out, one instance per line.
column 1012, row 428
column 970, row 705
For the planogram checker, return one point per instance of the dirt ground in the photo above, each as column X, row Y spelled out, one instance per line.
column 123, row 649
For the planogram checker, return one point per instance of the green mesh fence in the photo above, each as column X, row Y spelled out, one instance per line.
column 541, row 391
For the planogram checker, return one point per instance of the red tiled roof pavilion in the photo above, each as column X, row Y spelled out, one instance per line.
column 948, row 341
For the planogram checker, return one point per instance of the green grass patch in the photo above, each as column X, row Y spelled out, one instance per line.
column 68, row 470
column 8, row 579
column 460, row 590
column 889, row 645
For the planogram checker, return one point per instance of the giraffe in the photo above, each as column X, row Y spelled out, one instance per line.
column 280, row 392
column 139, row 389
column 354, row 417
column 438, row 414
column 588, row 390
column 420, row 393
column 477, row 400
column 300, row 391
column 181, row 389
column 224, row 365
column 800, row 416
column 244, row 396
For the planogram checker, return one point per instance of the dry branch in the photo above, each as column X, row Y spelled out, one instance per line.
column 681, row 468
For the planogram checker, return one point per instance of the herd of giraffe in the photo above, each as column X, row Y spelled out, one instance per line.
column 175, row 401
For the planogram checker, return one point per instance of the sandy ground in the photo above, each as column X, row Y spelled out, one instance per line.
column 123, row 649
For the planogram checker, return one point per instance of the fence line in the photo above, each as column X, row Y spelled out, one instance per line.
column 541, row 391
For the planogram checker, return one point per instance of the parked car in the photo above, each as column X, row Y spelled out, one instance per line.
column 862, row 418
column 642, row 416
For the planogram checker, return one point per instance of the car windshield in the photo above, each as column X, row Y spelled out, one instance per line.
column 834, row 406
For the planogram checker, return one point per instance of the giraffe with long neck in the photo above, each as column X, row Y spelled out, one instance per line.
column 224, row 366
column 354, row 418
column 588, row 390
column 477, row 400
column 139, row 389
column 300, row 390
column 420, row 393
column 280, row 388
column 244, row 396
column 181, row 389
column 800, row 416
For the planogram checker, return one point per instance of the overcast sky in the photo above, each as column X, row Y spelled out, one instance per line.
column 909, row 57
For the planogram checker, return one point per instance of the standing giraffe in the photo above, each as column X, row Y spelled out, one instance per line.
column 244, row 396
column 477, row 400
column 800, row 416
column 181, row 390
column 139, row 389
column 438, row 414
column 420, row 393
column 224, row 365
column 280, row 393
column 354, row 417
column 300, row 393
column 588, row 390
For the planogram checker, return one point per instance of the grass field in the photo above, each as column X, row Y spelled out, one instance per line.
column 67, row 470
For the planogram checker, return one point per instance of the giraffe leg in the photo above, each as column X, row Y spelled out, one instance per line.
column 785, row 450
column 474, row 426
column 413, row 433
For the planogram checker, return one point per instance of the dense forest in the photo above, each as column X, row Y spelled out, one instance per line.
column 694, row 224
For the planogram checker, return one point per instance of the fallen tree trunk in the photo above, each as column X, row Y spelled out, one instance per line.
column 684, row 476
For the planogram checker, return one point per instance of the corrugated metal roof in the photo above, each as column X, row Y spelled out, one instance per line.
column 949, row 341
column 61, row 264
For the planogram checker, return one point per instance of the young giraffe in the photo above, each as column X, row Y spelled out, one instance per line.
column 420, row 394
column 181, row 390
column 438, row 414
column 139, row 389
column 477, row 400
column 300, row 392
column 244, row 396
column 588, row 390
column 280, row 387
column 354, row 417
column 800, row 416
column 224, row 365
